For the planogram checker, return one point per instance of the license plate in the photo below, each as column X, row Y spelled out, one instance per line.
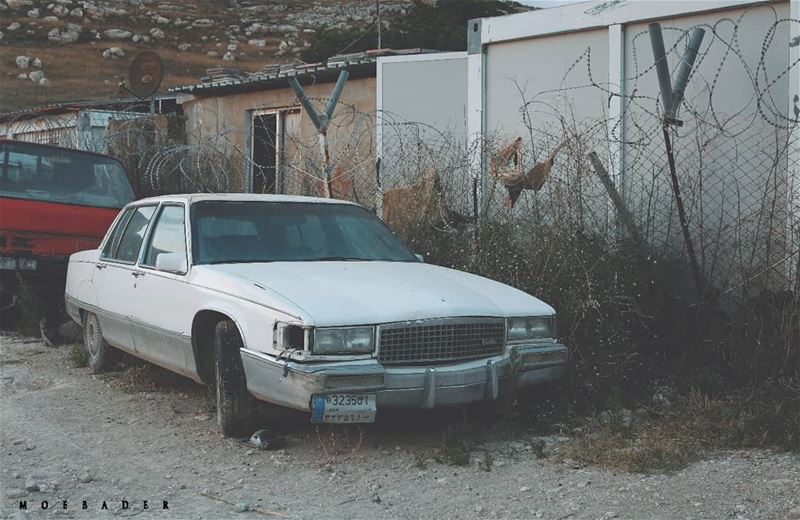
column 343, row 408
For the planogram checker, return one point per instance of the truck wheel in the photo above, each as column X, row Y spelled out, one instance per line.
column 234, row 402
column 100, row 356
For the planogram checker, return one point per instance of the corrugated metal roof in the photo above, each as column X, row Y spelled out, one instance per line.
column 272, row 76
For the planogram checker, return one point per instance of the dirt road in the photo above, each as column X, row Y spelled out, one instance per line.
column 70, row 436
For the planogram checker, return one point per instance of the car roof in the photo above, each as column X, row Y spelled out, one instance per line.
column 191, row 198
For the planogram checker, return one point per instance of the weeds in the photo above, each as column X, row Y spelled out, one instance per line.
column 667, row 439
column 77, row 356
column 488, row 462
column 454, row 451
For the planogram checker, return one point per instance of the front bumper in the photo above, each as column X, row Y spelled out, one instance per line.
column 292, row 384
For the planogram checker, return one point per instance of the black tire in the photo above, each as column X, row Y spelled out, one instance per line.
column 100, row 356
column 235, row 405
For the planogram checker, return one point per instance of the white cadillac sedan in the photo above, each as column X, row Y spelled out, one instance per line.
column 311, row 304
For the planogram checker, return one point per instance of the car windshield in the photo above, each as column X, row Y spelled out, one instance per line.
column 43, row 173
column 235, row 232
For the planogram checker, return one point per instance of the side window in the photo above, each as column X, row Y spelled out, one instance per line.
column 131, row 242
column 169, row 235
column 113, row 239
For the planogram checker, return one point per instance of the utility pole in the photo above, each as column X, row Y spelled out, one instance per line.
column 378, row 14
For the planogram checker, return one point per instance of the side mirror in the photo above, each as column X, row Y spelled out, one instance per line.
column 171, row 262
column 420, row 257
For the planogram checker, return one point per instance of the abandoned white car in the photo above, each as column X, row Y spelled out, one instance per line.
column 311, row 304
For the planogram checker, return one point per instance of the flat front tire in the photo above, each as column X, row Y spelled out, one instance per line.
column 234, row 403
column 100, row 356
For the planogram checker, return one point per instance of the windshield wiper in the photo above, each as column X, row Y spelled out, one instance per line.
column 337, row 259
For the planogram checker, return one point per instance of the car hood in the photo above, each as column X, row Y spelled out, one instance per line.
column 355, row 293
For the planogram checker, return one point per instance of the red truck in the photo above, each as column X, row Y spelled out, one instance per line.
column 53, row 202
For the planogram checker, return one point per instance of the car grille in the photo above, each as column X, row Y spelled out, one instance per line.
column 440, row 340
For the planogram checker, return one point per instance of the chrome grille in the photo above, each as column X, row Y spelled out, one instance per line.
column 440, row 340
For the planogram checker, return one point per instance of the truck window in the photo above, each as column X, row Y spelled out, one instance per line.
column 49, row 174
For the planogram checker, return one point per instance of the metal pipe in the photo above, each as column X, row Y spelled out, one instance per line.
column 685, row 69
column 378, row 16
column 337, row 91
column 662, row 67
column 301, row 95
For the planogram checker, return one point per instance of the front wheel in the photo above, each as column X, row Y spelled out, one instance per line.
column 100, row 356
column 234, row 402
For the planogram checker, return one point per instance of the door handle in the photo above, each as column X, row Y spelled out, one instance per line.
column 137, row 274
column 100, row 266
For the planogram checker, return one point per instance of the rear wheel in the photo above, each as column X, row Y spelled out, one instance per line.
column 100, row 356
column 235, row 405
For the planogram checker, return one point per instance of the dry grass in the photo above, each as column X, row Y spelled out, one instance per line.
column 143, row 377
column 668, row 440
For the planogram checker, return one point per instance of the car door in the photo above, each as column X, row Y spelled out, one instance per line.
column 115, row 276
column 162, row 329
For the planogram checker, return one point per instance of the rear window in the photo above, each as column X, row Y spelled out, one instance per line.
column 64, row 176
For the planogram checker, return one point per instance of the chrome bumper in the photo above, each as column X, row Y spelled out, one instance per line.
column 292, row 384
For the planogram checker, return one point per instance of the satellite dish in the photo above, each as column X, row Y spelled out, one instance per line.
column 145, row 74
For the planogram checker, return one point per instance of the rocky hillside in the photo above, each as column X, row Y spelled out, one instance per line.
column 60, row 50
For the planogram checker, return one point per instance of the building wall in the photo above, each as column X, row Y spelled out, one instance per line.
column 422, row 121
column 223, row 122
column 585, row 73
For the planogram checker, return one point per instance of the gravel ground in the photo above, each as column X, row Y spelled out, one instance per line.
column 70, row 435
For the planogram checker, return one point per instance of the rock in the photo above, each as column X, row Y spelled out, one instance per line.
column 85, row 478
column 626, row 418
column 136, row 38
column 479, row 509
column 76, row 13
column 113, row 53
column 31, row 485
column 229, row 56
column 524, row 489
column 376, row 499
column 242, row 507
column 203, row 23
column 50, row 19
column 213, row 54
column 15, row 493
column 233, row 47
column 54, row 35
column 33, row 13
column 117, row 34
column 14, row 26
column 283, row 45
column 608, row 515
column 16, row 4
column 22, row 76
column 36, row 76
column 16, row 475
column 160, row 20
column 69, row 36
column 157, row 33
column 267, row 440
column 37, row 64
column 22, row 62
column 257, row 43
column 794, row 512
column 44, row 82
column 183, row 47
column 60, row 11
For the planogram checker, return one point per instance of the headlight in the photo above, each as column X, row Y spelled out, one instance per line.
column 8, row 262
column 533, row 327
column 344, row 340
